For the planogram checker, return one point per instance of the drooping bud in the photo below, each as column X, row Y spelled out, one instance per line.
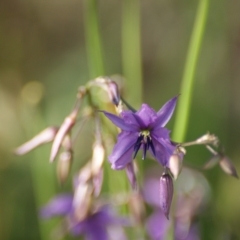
column 131, row 175
column 166, row 193
column 83, row 193
column 82, row 200
column 64, row 166
column 63, row 131
column 46, row 136
column 110, row 87
column 228, row 167
column 97, row 158
column 113, row 92
column 175, row 165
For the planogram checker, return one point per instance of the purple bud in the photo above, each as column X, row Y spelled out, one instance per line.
column 113, row 92
column 166, row 193
column 110, row 87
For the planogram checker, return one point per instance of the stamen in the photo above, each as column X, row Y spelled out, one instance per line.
column 152, row 147
column 144, row 150
column 137, row 145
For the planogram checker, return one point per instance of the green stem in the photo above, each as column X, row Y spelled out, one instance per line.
column 93, row 39
column 131, row 51
column 182, row 114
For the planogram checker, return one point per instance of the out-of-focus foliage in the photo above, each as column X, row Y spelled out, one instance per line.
column 43, row 61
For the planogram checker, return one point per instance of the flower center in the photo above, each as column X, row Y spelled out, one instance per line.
column 145, row 133
column 145, row 141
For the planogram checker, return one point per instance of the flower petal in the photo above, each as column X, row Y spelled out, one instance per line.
column 119, row 122
column 122, row 151
column 60, row 205
column 163, row 150
column 165, row 113
column 131, row 118
column 147, row 115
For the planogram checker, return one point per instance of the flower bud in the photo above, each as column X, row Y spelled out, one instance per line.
column 113, row 92
column 97, row 158
column 63, row 131
column 82, row 200
column 227, row 166
column 47, row 135
column 110, row 87
column 64, row 166
column 175, row 165
column 166, row 193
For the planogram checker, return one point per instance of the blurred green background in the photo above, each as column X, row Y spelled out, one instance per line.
column 44, row 58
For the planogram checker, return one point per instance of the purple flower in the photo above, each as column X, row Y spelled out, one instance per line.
column 143, row 129
column 93, row 227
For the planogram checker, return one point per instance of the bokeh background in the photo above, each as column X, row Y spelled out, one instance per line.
column 43, row 60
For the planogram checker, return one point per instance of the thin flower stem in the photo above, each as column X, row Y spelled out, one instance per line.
column 128, row 105
column 211, row 150
column 182, row 115
column 93, row 39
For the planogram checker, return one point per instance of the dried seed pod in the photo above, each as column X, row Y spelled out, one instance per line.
column 166, row 193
